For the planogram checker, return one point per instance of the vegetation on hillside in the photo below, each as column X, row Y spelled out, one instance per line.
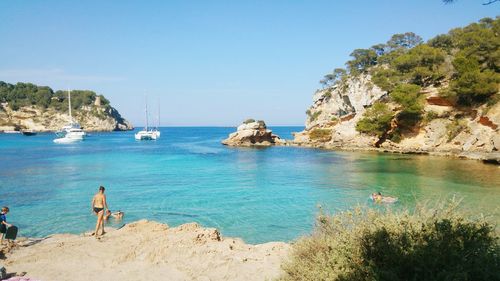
column 322, row 135
column 440, row 243
column 464, row 64
column 27, row 94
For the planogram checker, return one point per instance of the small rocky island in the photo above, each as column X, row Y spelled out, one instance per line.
column 253, row 133
column 25, row 106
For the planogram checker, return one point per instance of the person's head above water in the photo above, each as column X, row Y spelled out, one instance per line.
column 101, row 189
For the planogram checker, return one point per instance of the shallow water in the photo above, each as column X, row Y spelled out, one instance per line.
column 260, row 195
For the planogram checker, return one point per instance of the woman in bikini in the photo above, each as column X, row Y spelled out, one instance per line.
column 98, row 206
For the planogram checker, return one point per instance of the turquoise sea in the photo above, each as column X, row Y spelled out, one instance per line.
column 260, row 195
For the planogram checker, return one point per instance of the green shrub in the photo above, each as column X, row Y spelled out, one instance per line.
column 408, row 96
column 440, row 243
column 376, row 120
column 429, row 116
column 328, row 94
column 322, row 135
column 386, row 79
column 455, row 128
column 248, row 121
column 421, row 65
column 472, row 86
column 314, row 116
column 396, row 136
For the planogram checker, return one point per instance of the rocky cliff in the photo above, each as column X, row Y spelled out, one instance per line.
column 336, row 110
column 91, row 118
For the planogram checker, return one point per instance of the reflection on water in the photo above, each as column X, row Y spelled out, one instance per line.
column 258, row 194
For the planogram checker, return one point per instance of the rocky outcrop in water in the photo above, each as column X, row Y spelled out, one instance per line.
column 252, row 133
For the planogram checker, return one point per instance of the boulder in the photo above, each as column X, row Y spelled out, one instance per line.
column 252, row 133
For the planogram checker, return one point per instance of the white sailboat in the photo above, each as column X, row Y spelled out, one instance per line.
column 156, row 131
column 73, row 131
column 146, row 133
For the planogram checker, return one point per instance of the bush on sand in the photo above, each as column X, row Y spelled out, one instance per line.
column 438, row 243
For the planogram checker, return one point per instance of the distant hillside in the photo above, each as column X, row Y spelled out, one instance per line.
column 39, row 108
column 406, row 95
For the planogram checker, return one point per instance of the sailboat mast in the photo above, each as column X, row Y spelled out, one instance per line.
column 69, row 105
column 158, row 127
column 147, row 113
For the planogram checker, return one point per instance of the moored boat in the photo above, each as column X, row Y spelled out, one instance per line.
column 72, row 132
column 28, row 133
column 146, row 133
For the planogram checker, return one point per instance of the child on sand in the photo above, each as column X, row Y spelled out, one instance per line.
column 3, row 222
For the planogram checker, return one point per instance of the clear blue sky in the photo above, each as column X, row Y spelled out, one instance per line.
column 208, row 62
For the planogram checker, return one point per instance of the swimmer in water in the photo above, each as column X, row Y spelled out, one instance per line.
column 378, row 198
column 116, row 215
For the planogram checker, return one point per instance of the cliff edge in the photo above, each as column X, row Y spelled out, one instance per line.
column 440, row 97
column 25, row 106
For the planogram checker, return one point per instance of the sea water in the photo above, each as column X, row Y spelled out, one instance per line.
column 258, row 194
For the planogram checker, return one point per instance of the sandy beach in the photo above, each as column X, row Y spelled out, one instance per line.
column 146, row 250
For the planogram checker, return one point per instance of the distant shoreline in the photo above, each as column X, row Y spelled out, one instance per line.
column 489, row 158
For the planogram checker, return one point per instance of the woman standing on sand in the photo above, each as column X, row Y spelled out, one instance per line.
column 98, row 206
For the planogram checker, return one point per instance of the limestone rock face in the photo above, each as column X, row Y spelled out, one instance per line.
column 336, row 111
column 91, row 118
column 340, row 101
column 252, row 133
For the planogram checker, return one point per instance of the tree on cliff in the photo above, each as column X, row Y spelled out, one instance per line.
column 463, row 64
column 376, row 121
column 331, row 79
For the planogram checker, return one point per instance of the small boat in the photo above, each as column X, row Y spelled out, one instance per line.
column 11, row 132
column 72, row 132
column 146, row 133
column 28, row 133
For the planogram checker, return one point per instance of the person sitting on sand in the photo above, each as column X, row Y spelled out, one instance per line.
column 116, row 215
column 98, row 205
column 3, row 222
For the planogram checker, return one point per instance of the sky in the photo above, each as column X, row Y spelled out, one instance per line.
column 206, row 63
